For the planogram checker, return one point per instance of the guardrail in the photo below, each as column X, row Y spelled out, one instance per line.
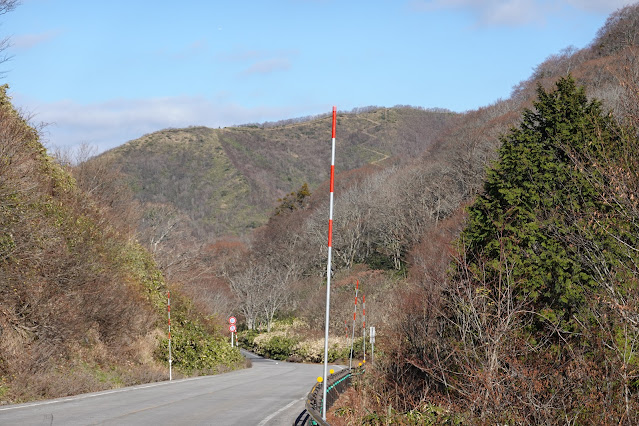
column 335, row 385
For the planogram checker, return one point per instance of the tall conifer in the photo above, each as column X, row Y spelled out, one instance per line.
column 535, row 200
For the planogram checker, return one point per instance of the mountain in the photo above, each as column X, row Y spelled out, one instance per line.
column 228, row 181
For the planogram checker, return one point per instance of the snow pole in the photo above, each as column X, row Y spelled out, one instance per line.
column 328, row 264
column 350, row 361
column 364, row 323
column 168, row 309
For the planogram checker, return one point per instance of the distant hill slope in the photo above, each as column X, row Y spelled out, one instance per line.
column 227, row 181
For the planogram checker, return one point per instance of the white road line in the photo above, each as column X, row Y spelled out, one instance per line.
column 93, row 395
column 266, row 420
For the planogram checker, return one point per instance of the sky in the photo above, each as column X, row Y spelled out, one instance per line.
column 102, row 73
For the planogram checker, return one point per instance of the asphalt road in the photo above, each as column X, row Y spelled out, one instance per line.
column 270, row 393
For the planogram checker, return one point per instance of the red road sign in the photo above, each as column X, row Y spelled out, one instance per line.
column 232, row 320
column 232, row 328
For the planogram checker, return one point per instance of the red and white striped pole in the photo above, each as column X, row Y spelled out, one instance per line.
column 328, row 264
column 350, row 362
column 364, row 323
column 168, row 309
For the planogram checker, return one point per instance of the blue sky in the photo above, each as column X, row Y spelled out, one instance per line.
column 105, row 72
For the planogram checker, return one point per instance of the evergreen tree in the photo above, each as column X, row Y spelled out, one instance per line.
column 535, row 201
column 294, row 201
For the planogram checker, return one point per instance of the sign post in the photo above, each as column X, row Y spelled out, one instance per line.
column 232, row 329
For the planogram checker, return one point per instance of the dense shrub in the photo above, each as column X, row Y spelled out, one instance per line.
column 291, row 340
column 279, row 347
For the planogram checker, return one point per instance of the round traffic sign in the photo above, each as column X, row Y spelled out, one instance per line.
column 232, row 328
column 232, row 320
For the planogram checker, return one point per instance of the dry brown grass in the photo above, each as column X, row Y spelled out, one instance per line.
column 40, row 370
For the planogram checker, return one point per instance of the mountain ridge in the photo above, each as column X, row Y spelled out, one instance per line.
column 228, row 181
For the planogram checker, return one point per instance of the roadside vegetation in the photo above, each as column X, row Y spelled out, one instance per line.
column 292, row 340
column 82, row 303
column 497, row 251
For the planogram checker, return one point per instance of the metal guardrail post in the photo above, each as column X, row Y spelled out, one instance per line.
column 336, row 384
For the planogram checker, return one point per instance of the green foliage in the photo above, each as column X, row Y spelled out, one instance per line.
column 280, row 343
column 290, row 339
column 294, row 201
column 247, row 338
column 337, row 352
column 196, row 177
column 142, row 268
column 279, row 347
column 535, row 201
column 4, row 387
column 547, row 277
column 103, row 374
column 194, row 350
column 7, row 245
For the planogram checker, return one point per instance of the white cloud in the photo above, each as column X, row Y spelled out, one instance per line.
column 261, row 61
column 27, row 41
column 600, row 6
column 513, row 13
column 268, row 66
column 491, row 12
column 193, row 49
column 242, row 55
column 516, row 12
column 113, row 123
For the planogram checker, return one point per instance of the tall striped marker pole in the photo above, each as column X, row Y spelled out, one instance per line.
column 168, row 309
column 328, row 264
column 350, row 361
column 364, row 323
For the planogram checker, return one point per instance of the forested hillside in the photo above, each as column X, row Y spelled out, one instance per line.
column 82, row 304
column 227, row 181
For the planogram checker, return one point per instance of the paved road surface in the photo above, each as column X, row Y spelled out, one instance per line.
column 270, row 393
